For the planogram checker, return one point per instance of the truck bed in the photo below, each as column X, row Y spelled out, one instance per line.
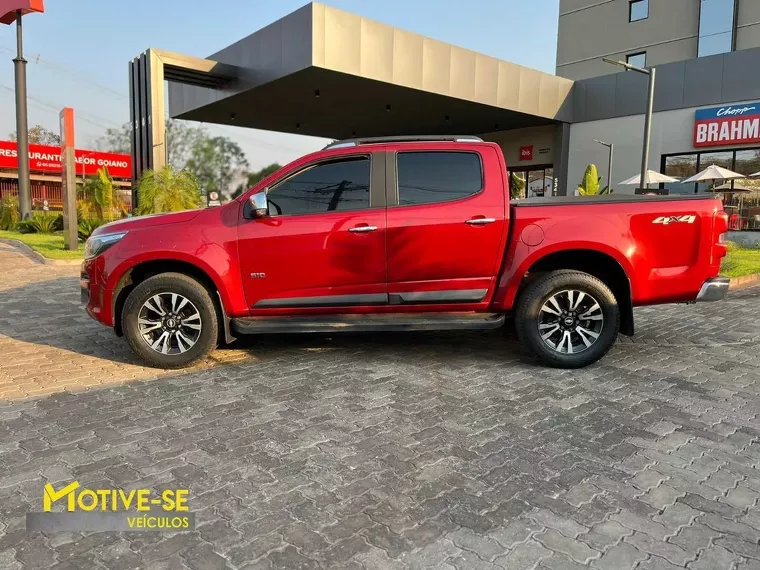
column 609, row 199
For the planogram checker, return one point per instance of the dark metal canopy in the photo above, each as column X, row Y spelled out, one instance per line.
column 325, row 72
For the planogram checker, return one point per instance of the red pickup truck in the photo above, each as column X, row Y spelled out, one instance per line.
column 399, row 234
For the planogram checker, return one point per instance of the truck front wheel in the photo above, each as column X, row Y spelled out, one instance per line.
column 169, row 320
column 568, row 319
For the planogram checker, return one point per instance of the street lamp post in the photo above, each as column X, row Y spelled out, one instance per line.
column 22, row 127
column 12, row 12
column 611, row 147
column 647, row 117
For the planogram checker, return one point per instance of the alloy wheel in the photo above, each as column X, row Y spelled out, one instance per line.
column 570, row 321
column 169, row 323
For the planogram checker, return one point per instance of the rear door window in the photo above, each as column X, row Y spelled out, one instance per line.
column 430, row 177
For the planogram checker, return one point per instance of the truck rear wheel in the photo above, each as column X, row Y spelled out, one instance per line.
column 169, row 320
column 568, row 319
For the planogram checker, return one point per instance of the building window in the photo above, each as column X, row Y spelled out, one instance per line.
column 680, row 166
column 429, row 177
column 337, row 186
column 717, row 26
column 532, row 182
column 637, row 59
column 638, row 10
column 743, row 204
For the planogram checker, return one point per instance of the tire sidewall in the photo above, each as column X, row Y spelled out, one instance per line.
column 170, row 283
column 529, row 306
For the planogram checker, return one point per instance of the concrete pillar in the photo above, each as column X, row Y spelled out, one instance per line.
column 562, row 157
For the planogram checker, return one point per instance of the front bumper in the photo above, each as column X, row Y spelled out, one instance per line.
column 714, row 289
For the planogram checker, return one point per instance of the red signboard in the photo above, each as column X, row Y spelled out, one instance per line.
column 48, row 159
column 730, row 124
column 526, row 153
column 9, row 8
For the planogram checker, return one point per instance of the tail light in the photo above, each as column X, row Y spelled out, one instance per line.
column 720, row 247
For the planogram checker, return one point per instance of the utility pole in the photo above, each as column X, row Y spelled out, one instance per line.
column 22, row 126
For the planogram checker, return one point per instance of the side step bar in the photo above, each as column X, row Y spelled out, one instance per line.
column 368, row 323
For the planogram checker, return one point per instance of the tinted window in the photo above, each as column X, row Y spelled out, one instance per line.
column 330, row 187
column 637, row 59
column 638, row 10
column 426, row 177
column 721, row 158
column 716, row 26
column 681, row 167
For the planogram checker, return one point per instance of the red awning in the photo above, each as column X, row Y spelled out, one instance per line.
column 8, row 8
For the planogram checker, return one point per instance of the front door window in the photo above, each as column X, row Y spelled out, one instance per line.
column 337, row 186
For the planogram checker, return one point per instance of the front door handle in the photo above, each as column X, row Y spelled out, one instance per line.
column 362, row 229
column 480, row 221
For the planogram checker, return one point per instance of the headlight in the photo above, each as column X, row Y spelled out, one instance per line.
column 96, row 245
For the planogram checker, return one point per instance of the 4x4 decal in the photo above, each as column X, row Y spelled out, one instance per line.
column 675, row 219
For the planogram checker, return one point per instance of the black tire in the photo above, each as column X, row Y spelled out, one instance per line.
column 194, row 292
column 539, row 292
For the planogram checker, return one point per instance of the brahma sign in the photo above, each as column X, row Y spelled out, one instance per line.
column 726, row 125
column 48, row 159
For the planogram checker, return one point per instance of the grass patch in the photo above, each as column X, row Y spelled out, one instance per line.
column 49, row 245
column 740, row 262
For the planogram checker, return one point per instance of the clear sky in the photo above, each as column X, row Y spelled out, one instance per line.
column 78, row 50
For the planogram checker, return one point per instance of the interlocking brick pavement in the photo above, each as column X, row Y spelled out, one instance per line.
column 387, row 451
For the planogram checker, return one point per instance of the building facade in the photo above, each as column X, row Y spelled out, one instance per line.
column 650, row 32
column 707, row 96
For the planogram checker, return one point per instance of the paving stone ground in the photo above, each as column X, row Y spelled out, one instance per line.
column 387, row 451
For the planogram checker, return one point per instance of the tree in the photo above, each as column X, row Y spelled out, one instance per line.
column 215, row 162
column 516, row 186
column 181, row 138
column 253, row 178
column 167, row 190
column 118, row 140
column 40, row 135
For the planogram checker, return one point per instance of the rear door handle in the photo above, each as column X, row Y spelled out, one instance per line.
column 480, row 221
column 362, row 229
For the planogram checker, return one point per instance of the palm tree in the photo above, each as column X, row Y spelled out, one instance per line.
column 165, row 190
column 102, row 197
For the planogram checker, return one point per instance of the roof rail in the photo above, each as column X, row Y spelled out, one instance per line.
column 414, row 138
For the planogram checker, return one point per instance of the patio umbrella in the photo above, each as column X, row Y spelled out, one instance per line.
column 653, row 177
column 727, row 188
column 714, row 173
column 755, row 175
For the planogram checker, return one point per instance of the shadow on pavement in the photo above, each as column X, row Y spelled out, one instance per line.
column 49, row 313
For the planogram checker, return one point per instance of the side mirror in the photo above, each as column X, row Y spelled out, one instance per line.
column 259, row 204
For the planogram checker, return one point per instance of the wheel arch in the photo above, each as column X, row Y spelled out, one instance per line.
column 143, row 270
column 596, row 263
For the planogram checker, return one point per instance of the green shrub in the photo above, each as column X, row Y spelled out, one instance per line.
column 9, row 213
column 731, row 246
column 41, row 224
column 165, row 190
column 87, row 226
column 591, row 185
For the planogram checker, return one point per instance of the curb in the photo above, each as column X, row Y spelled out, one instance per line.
column 37, row 257
column 744, row 281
